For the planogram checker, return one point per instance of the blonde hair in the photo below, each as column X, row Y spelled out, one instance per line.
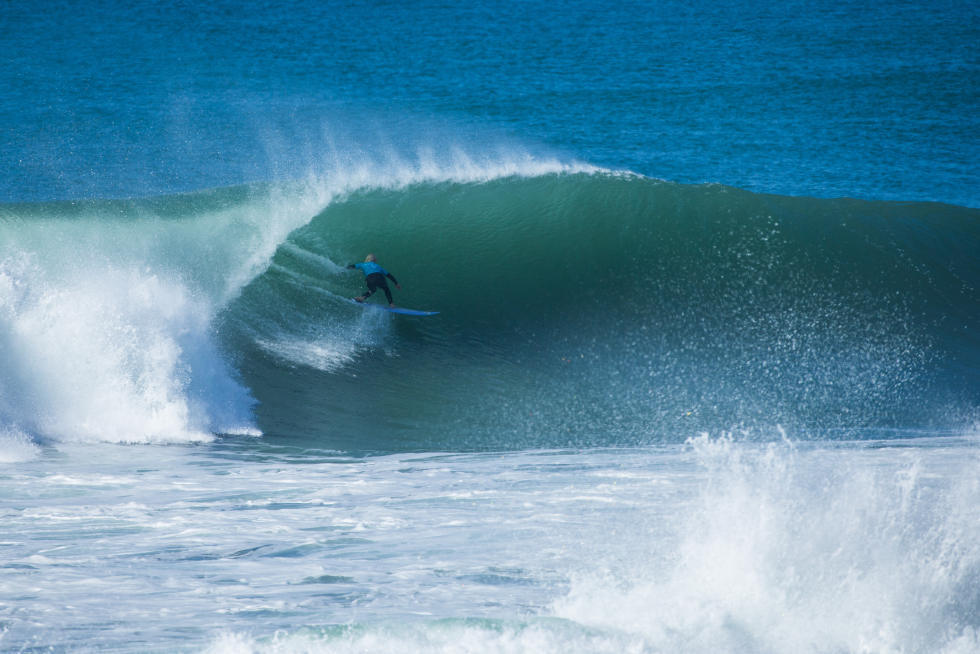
column 370, row 257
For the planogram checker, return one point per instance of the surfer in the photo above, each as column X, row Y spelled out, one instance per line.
column 375, row 275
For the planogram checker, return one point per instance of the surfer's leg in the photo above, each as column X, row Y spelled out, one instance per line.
column 372, row 284
column 376, row 281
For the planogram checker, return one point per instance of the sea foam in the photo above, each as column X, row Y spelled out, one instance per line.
column 787, row 550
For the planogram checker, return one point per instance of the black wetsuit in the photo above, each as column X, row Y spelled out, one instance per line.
column 375, row 278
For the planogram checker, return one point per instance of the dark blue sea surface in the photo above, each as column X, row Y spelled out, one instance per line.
column 705, row 375
column 825, row 99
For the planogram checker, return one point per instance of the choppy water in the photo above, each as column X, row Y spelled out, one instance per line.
column 715, row 546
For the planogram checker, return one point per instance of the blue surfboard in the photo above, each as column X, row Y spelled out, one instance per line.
column 401, row 310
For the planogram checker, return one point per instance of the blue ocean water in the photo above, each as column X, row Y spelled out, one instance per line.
column 705, row 376
column 824, row 99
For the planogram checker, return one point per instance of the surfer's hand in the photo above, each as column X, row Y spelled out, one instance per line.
column 398, row 286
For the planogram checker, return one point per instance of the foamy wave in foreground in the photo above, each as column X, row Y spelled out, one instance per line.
column 781, row 549
column 789, row 551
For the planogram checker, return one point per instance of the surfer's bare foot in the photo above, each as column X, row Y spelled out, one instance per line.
column 359, row 299
column 392, row 305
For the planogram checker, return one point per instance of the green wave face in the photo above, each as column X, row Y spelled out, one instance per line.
column 577, row 308
column 603, row 309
